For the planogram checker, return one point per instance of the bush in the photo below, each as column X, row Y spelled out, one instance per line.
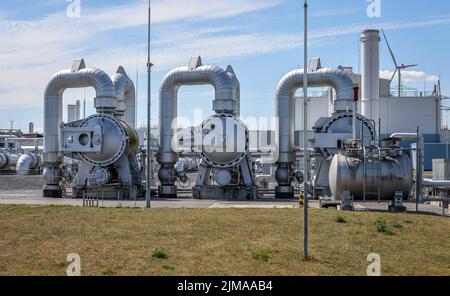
column 160, row 254
column 169, row 267
column 262, row 254
column 383, row 227
column 340, row 219
column 109, row 271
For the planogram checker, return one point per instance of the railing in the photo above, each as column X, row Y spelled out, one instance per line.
column 414, row 93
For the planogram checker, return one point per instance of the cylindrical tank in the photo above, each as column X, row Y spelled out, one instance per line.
column 388, row 175
column 117, row 138
column 225, row 141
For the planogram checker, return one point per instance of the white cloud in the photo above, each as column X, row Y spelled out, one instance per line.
column 36, row 49
column 412, row 77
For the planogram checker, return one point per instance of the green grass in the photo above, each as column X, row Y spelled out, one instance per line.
column 35, row 240
column 160, row 254
column 383, row 227
column 340, row 219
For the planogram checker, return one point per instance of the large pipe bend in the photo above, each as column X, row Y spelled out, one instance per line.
column 168, row 98
column 105, row 102
column 285, row 106
column 126, row 96
column 26, row 163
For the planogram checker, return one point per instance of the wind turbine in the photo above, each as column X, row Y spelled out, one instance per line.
column 398, row 68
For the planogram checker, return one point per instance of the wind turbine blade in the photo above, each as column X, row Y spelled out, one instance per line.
column 395, row 72
column 410, row 66
column 390, row 49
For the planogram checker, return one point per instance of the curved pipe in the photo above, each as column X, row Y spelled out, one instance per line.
column 236, row 90
column 285, row 109
column 26, row 163
column 105, row 102
column 168, row 96
column 126, row 96
column 8, row 160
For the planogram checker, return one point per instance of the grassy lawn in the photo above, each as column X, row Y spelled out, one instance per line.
column 37, row 240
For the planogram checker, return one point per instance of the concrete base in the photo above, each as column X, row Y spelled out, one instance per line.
column 167, row 191
column 226, row 193
column 393, row 209
column 108, row 193
column 284, row 192
column 53, row 191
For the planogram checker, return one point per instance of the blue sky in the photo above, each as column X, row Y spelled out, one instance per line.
column 261, row 39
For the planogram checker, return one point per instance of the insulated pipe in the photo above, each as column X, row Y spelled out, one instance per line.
column 285, row 109
column 236, row 90
column 126, row 97
column 168, row 95
column 26, row 163
column 105, row 102
column 421, row 154
column 8, row 160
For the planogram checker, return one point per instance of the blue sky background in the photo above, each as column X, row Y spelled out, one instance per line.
column 261, row 39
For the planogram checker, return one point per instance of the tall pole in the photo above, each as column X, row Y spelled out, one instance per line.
column 305, row 135
column 149, row 175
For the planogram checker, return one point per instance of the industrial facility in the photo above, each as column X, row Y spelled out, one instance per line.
column 365, row 142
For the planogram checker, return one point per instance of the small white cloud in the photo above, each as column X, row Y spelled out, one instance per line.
column 413, row 77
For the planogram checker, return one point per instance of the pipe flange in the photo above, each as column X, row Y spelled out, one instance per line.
column 225, row 159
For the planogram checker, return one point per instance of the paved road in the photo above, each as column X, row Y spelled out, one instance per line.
column 33, row 197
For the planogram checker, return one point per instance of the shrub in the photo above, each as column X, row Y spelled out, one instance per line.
column 160, row 254
column 383, row 227
column 340, row 219
column 262, row 255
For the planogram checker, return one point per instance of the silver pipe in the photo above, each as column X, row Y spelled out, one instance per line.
column 420, row 156
column 325, row 77
column 105, row 102
column 126, row 96
column 195, row 74
column 8, row 160
column 26, row 163
column 236, row 89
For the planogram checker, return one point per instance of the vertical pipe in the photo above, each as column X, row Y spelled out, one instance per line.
column 370, row 74
column 149, row 176
column 305, row 133
column 355, row 109
column 418, row 173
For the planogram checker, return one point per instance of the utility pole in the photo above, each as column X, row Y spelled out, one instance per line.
column 305, row 135
column 150, row 177
column 12, row 125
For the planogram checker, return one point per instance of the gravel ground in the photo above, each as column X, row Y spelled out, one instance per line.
column 15, row 182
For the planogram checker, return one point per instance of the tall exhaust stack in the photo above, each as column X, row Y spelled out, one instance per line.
column 370, row 74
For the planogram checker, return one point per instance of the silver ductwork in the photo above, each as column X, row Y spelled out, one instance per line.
column 8, row 160
column 105, row 103
column 194, row 74
column 126, row 97
column 236, row 90
column 285, row 109
column 26, row 163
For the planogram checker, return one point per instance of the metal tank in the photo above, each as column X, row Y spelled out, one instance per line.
column 371, row 178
